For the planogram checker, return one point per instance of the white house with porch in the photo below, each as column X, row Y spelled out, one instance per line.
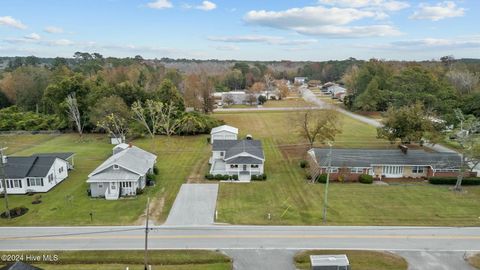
column 224, row 132
column 122, row 173
column 242, row 158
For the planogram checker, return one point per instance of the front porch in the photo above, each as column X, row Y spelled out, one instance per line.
column 243, row 171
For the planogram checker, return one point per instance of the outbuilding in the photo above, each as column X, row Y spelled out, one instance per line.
column 329, row 262
column 224, row 132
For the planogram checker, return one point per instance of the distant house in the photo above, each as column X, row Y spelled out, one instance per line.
column 122, row 173
column 224, row 132
column 234, row 97
column 36, row 173
column 336, row 91
column 384, row 163
column 299, row 80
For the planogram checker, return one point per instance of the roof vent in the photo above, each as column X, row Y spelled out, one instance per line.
column 249, row 137
column 403, row 148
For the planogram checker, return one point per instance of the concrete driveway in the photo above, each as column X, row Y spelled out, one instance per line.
column 195, row 205
column 431, row 260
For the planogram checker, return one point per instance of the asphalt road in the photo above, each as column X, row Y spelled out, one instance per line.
column 194, row 205
column 242, row 237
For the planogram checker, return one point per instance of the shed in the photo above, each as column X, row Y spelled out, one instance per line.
column 330, row 262
column 224, row 132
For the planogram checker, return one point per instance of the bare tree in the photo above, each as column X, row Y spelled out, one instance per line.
column 149, row 116
column 228, row 99
column 269, row 83
column 319, row 125
column 169, row 123
column 464, row 81
column 467, row 138
column 74, row 113
column 115, row 125
column 251, row 99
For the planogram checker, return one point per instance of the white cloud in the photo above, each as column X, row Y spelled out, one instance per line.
column 322, row 21
column 227, row 48
column 388, row 5
column 439, row 11
column 33, row 36
column 160, row 4
column 61, row 42
column 272, row 40
column 53, row 30
column 10, row 21
column 207, row 5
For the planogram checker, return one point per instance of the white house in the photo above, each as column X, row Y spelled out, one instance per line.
column 122, row 173
column 224, row 132
column 117, row 139
column 242, row 158
column 36, row 173
column 299, row 80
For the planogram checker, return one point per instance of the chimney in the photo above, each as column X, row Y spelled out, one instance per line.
column 403, row 148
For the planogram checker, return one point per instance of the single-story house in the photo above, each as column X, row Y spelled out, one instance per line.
column 336, row 90
column 35, row 173
column 122, row 173
column 224, row 132
column 384, row 163
column 299, row 80
column 243, row 158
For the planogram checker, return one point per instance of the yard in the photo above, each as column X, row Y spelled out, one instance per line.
column 475, row 260
column 68, row 203
column 288, row 102
column 291, row 201
column 359, row 260
column 112, row 260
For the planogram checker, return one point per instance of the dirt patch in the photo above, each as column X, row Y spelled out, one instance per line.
column 198, row 172
column 156, row 210
column 294, row 152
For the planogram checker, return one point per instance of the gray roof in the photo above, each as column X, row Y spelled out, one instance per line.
column 132, row 159
column 63, row 156
column 244, row 160
column 236, row 147
column 36, row 165
column 369, row 157
column 19, row 266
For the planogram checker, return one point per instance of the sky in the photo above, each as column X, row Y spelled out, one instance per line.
column 314, row 30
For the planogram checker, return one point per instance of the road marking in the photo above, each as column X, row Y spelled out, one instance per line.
column 245, row 236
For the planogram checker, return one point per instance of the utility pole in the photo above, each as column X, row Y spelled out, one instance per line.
column 146, row 235
column 4, row 182
column 325, row 203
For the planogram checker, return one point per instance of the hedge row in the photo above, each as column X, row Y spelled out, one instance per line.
column 453, row 181
column 365, row 179
column 221, row 177
column 261, row 177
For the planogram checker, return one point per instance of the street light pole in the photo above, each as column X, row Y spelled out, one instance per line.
column 325, row 203
column 146, row 235
column 4, row 183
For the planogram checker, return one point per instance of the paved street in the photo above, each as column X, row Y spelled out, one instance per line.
column 243, row 237
column 195, row 205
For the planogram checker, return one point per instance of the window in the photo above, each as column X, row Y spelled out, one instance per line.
column 356, row 170
column 115, row 167
column 233, row 166
column 417, row 169
column 126, row 184
column 100, row 186
column 255, row 166
column 60, row 170
column 221, row 154
column 32, row 182
column 395, row 170
column 50, row 178
column 333, row 169
column 17, row 183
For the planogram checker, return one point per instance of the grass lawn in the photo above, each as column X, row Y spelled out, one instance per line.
column 475, row 260
column 68, row 203
column 359, row 260
column 15, row 144
column 159, row 259
column 292, row 201
column 291, row 102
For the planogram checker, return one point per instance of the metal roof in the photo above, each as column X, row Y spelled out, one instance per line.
column 133, row 159
column 369, row 157
column 224, row 128
column 329, row 260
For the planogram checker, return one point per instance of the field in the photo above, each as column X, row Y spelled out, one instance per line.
column 112, row 260
column 291, row 201
column 68, row 203
column 359, row 260
column 291, row 102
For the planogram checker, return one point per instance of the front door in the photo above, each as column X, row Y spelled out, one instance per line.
column 244, row 167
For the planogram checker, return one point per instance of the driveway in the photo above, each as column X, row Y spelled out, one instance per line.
column 247, row 259
column 429, row 260
column 195, row 205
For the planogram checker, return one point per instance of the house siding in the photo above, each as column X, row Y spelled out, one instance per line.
column 223, row 135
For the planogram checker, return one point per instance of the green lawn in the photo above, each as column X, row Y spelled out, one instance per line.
column 291, row 102
column 68, row 203
column 359, row 260
column 159, row 259
column 292, row 201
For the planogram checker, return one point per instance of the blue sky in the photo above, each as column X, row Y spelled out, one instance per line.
column 244, row 30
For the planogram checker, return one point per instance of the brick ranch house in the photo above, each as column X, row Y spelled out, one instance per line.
column 349, row 164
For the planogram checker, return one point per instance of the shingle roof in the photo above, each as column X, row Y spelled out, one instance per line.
column 252, row 147
column 133, row 159
column 36, row 165
column 224, row 128
column 244, row 160
column 369, row 157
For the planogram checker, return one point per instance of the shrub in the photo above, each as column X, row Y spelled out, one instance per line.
column 365, row 179
column 453, row 180
column 235, row 177
column 264, row 176
column 218, row 177
column 209, row 176
column 150, row 177
column 139, row 191
column 226, row 177
column 155, row 170
column 308, row 176
column 260, row 177
column 322, row 178
column 303, row 164
column 253, row 177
